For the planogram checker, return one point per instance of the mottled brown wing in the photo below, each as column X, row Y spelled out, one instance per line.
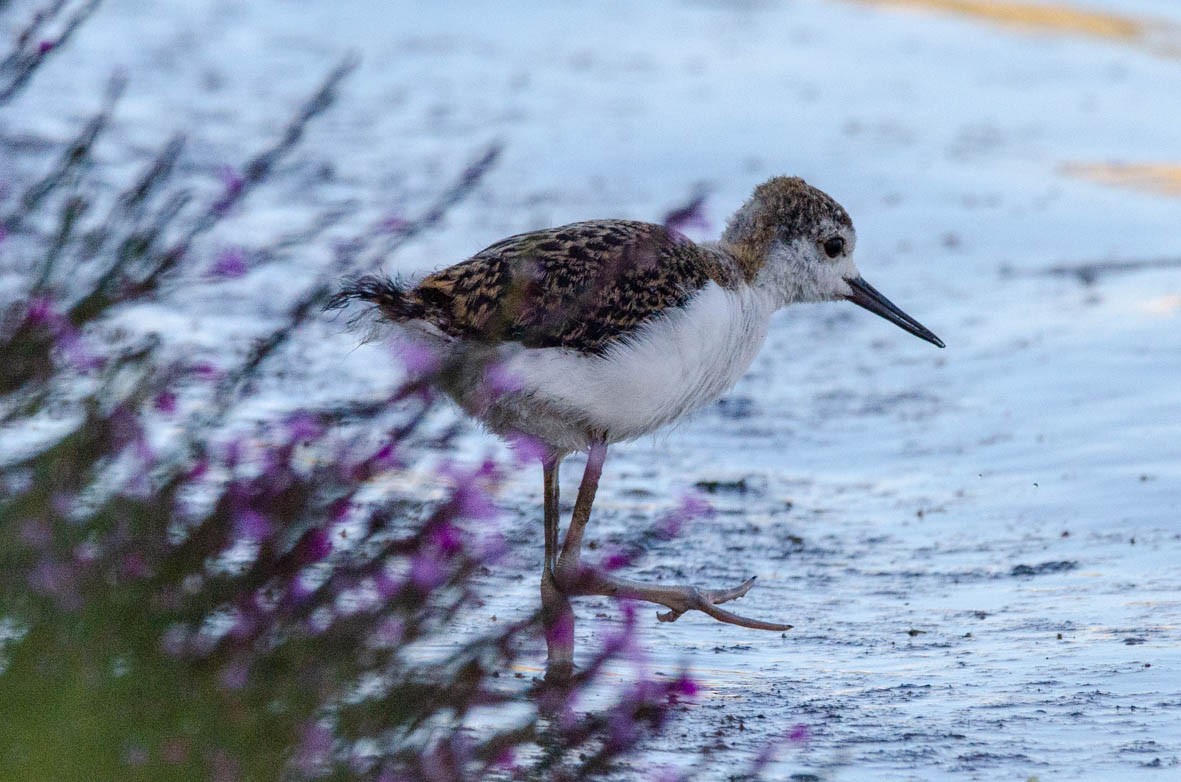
column 579, row 286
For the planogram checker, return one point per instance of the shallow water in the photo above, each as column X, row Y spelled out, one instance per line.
column 980, row 548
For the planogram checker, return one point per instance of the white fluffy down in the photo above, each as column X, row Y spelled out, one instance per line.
column 671, row 366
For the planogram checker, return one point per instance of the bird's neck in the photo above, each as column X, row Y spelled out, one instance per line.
column 753, row 269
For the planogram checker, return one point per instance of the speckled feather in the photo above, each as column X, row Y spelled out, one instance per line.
column 579, row 286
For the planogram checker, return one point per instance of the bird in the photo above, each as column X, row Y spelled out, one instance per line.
column 600, row 332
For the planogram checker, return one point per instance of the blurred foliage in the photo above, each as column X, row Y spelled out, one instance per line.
column 213, row 603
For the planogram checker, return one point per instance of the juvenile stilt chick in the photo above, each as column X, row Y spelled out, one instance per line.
column 611, row 329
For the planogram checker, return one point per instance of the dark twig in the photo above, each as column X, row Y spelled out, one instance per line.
column 261, row 165
column 690, row 214
column 459, row 190
column 31, row 30
column 20, row 65
column 319, row 295
column 71, row 211
column 131, row 203
column 75, row 156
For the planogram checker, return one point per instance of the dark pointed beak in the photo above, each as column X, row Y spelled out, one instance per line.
column 865, row 295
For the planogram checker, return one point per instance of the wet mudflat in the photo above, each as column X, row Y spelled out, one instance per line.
column 980, row 548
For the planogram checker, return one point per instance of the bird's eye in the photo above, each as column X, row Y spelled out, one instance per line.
column 834, row 246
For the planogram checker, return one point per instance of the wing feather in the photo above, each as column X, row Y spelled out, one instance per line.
column 578, row 286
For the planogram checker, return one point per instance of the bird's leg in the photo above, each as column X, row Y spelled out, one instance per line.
column 569, row 565
column 550, row 501
column 557, row 617
column 562, row 568
column 574, row 579
column 569, row 578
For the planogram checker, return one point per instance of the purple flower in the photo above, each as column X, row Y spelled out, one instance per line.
column 387, row 585
column 198, row 470
column 135, row 566
column 685, row 686
column 691, row 507
column 56, row 580
column 499, row 381
column 302, row 427
column 390, row 632
column 339, row 509
column 386, row 458
column 526, row 449
column 229, row 264
column 232, row 184
column 393, row 224
column 41, row 312
column 615, row 561
column 447, row 538
column 77, row 352
column 690, row 215
column 205, row 371
column 418, row 357
column 50, row 578
column 474, row 502
column 561, row 631
column 45, row 47
column 314, row 748
column 317, row 545
column 505, row 759
column 426, row 572
column 299, row 590
column 245, row 625
column 165, row 402
column 252, row 525
column 799, row 734
column 622, row 730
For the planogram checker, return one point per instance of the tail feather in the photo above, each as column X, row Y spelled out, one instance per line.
column 395, row 300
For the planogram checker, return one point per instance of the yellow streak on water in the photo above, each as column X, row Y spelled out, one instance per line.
column 1158, row 36
column 1036, row 16
column 1161, row 178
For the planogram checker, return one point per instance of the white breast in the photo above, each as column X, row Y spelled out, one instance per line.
column 670, row 367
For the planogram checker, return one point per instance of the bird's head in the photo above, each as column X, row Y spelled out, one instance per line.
column 798, row 242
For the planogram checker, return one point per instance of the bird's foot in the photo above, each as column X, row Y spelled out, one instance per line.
column 678, row 599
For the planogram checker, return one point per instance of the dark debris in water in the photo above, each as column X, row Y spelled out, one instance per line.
column 1061, row 566
column 741, row 486
column 1090, row 272
column 736, row 408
